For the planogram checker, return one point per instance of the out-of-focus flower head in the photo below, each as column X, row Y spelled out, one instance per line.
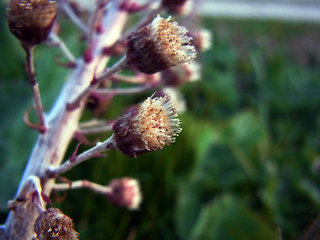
column 161, row 44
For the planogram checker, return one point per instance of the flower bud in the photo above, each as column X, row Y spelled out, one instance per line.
column 147, row 127
column 125, row 192
column 201, row 39
column 181, row 74
column 31, row 20
column 161, row 44
column 52, row 224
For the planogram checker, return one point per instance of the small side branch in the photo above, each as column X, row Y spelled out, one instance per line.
column 96, row 129
column 121, row 91
column 91, row 153
column 35, row 89
column 73, row 17
column 82, row 184
column 122, row 64
column 55, row 40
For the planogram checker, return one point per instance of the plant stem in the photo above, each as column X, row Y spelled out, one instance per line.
column 82, row 184
column 35, row 90
column 73, row 17
column 108, row 73
column 97, row 129
column 91, row 153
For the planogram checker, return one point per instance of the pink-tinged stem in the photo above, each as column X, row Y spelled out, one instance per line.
column 91, row 153
column 107, row 74
column 73, row 17
column 35, row 90
column 96, row 129
column 82, row 184
column 121, row 91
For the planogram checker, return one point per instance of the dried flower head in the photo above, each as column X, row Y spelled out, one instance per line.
column 159, row 45
column 125, row 192
column 31, row 20
column 147, row 127
column 52, row 224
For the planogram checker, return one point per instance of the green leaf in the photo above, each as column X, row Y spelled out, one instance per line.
column 228, row 218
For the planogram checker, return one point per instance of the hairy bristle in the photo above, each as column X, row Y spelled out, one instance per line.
column 172, row 41
column 157, row 122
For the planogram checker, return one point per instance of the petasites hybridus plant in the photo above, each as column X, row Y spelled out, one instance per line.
column 156, row 44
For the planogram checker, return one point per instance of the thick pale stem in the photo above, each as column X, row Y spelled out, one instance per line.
column 91, row 153
column 35, row 89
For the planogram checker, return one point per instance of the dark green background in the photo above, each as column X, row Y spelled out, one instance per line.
column 244, row 166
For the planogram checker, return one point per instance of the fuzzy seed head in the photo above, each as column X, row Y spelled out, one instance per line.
column 31, row 20
column 157, row 123
column 52, row 224
column 125, row 192
column 159, row 45
column 147, row 127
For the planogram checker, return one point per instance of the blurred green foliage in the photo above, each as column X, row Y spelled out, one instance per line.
column 246, row 165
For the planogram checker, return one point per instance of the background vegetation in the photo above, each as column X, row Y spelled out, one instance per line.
column 246, row 165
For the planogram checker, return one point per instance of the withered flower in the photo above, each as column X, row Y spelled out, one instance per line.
column 161, row 44
column 125, row 192
column 31, row 20
column 147, row 127
column 52, row 224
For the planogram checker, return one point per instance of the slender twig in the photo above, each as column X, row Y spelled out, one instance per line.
column 91, row 153
column 82, row 184
column 107, row 74
column 92, row 123
column 35, row 89
column 73, row 17
column 138, row 78
column 55, row 40
column 121, row 91
column 152, row 14
column 98, row 129
column 95, row 20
